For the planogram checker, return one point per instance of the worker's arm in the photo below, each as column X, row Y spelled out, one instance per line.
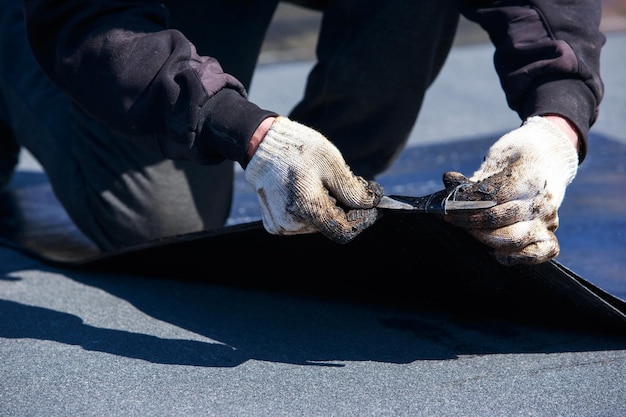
column 119, row 62
column 547, row 56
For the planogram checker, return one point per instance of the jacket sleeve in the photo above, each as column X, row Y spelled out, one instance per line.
column 547, row 56
column 122, row 65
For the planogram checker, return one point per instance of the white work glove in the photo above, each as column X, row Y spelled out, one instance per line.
column 304, row 185
column 526, row 171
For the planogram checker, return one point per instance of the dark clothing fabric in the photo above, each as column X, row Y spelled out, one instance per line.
column 547, row 56
column 116, row 192
column 375, row 61
column 125, row 65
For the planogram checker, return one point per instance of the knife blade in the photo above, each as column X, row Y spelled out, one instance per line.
column 438, row 202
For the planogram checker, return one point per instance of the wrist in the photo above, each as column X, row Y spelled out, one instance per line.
column 567, row 127
column 258, row 135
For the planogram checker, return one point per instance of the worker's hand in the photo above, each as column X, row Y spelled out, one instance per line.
column 526, row 171
column 304, row 185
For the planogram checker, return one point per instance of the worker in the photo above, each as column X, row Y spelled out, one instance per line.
column 138, row 110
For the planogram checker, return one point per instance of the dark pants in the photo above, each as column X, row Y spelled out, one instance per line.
column 375, row 62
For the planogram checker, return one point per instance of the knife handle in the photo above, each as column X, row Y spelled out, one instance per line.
column 431, row 203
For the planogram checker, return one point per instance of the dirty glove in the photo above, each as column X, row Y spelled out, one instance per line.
column 526, row 171
column 304, row 185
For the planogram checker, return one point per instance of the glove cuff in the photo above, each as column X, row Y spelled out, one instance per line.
column 282, row 136
column 268, row 153
column 558, row 145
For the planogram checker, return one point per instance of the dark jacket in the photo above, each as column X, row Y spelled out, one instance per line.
column 118, row 60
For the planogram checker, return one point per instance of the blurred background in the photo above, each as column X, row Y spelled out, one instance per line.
column 293, row 33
